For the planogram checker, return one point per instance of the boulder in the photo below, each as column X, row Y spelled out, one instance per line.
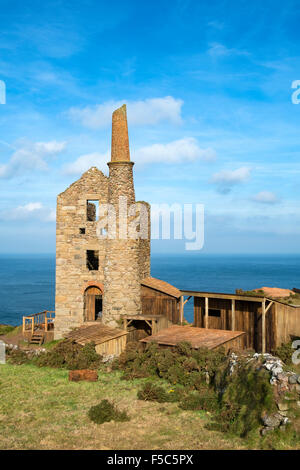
column 84, row 374
column 272, row 421
column 283, row 406
column 293, row 379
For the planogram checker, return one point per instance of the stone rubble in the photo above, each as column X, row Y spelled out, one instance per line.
column 284, row 381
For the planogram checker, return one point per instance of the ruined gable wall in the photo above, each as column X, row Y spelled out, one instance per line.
column 72, row 275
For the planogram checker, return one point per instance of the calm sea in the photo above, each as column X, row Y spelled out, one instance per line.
column 27, row 282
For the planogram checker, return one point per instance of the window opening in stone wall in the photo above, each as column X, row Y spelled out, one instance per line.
column 92, row 210
column 92, row 260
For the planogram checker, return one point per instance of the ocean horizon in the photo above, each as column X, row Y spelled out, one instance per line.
column 27, row 281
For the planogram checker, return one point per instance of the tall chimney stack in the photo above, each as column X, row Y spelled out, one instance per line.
column 119, row 137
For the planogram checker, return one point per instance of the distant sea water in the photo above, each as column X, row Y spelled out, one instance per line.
column 27, row 282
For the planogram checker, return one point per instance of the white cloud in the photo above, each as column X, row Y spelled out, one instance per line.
column 266, row 197
column 140, row 113
column 219, row 50
column 30, row 156
column 84, row 162
column 225, row 179
column 182, row 150
column 30, row 211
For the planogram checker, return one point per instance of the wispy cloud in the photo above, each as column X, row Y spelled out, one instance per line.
column 178, row 151
column 84, row 162
column 226, row 179
column 30, row 211
column 220, row 50
column 175, row 152
column 30, row 156
column 266, row 197
column 148, row 112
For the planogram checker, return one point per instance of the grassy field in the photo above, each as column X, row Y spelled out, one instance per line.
column 41, row 409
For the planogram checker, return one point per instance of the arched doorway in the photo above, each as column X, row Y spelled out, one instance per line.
column 92, row 304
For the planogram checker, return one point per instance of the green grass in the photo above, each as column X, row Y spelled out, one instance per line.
column 41, row 409
column 6, row 329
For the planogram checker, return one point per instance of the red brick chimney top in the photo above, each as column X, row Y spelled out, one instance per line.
column 119, row 137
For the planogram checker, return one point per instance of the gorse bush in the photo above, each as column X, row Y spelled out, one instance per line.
column 285, row 352
column 69, row 355
column 153, row 392
column 203, row 382
column 204, row 399
column 181, row 365
column 245, row 396
column 106, row 411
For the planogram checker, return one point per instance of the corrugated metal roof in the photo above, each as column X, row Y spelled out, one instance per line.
column 161, row 286
column 95, row 333
column 198, row 337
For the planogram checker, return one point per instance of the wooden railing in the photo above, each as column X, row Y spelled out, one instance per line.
column 42, row 320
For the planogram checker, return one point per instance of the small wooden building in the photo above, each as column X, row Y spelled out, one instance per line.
column 160, row 309
column 108, row 340
column 140, row 326
column 160, row 298
column 266, row 322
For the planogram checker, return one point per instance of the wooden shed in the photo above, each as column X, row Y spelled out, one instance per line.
column 140, row 326
column 160, row 298
column 108, row 340
column 160, row 309
column 197, row 337
column 266, row 322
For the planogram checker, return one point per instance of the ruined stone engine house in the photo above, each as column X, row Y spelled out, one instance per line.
column 99, row 278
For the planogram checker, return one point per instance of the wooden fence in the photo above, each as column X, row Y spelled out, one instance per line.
column 36, row 321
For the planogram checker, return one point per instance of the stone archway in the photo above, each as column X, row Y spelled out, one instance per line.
column 92, row 304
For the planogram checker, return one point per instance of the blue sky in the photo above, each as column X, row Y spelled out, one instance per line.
column 211, row 119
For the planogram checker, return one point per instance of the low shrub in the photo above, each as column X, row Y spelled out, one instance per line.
column 204, row 399
column 153, row 392
column 17, row 357
column 181, row 365
column 245, row 396
column 285, row 352
column 106, row 411
column 69, row 355
column 5, row 329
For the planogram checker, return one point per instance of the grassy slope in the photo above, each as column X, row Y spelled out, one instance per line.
column 41, row 409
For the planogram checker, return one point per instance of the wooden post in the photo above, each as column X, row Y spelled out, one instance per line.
column 46, row 321
column 263, row 327
column 32, row 325
column 206, row 312
column 181, row 309
column 233, row 314
column 24, row 324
